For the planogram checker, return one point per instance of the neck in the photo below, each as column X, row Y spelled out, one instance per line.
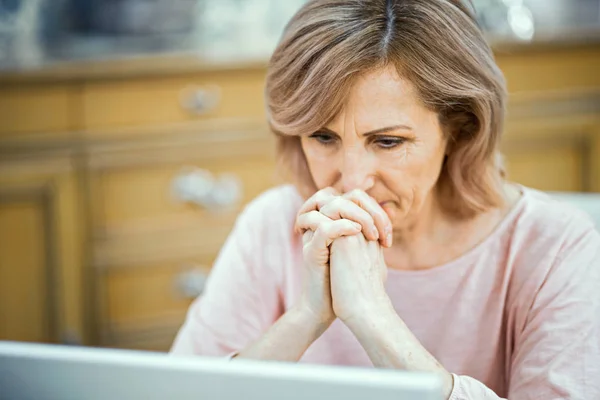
column 434, row 237
column 425, row 226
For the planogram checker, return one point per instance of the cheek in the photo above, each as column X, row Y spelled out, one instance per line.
column 413, row 171
column 421, row 161
column 406, row 164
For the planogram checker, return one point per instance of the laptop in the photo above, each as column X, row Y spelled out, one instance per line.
column 43, row 371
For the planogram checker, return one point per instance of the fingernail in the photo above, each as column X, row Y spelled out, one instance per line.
column 375, row 233
column 357, row 226
column 389, row 239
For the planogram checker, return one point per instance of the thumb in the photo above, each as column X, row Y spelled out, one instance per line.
column 382, row 265
column 307, row 236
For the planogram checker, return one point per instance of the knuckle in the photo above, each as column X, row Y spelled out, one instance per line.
column 307, row 217
column 312, row 214
column 356, row 193
column 330, row 230
column 326, row 208
column 344, row 241
column 331, row 207
column 319, row 218
column 338, row 202
column 324, row 194
column 319, row 196
column 327, row 229
column 301, row 222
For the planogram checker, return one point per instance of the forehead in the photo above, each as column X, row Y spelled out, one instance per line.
column 380, row 98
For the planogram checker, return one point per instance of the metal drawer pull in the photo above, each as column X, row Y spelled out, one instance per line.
column 200, row 100
column 190, row 284
column 200, row 187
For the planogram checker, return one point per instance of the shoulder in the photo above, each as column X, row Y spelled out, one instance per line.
column 548, row 220
column 268, row 220
column 274, row 207
column 263, row 235
column 551, row 241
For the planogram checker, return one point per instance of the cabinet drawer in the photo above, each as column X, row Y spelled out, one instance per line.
column 146, row 191
column 551, row 169
column 136, row 196
column 551, row 69
column 146, row 282
column 173, row 99
column 35, row 109
column 144, row 298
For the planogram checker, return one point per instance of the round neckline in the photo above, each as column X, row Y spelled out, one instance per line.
column 498, row 230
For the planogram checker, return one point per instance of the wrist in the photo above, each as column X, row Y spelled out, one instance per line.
column 306, row 317
column 371, row 314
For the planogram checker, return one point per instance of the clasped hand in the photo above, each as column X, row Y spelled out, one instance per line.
column 343, row 240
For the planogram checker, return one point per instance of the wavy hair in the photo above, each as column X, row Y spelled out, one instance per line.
column 436, row 45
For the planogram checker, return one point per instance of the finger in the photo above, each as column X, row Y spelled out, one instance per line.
column 341, row 208
column 326, row 233
column 382, row 265
column 310, row 221
column 307, row 237
column 318, row 200
column 380, row 217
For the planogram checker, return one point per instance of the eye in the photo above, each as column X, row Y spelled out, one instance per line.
column 388, row 142
column 324, row 138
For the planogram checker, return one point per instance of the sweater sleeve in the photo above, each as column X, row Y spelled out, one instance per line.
column 557, row 353
column 242, row 298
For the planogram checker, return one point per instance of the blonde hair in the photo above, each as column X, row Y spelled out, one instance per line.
column 435, row 44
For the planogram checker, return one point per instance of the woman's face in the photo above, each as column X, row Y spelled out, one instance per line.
column 384, row 142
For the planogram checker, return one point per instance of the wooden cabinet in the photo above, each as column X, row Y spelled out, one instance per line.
column 25, row 273
column 552, row 134
column 118, row 190
column 43, row 110
column 133, row 184
column 162, row 100
column 40, row 251
column 157, row 227
column 554, row 145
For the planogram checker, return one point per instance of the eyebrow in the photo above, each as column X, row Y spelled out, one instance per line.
column 377, row 131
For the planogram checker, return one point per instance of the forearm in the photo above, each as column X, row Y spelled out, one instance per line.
column 390, row 344
column 288, row 338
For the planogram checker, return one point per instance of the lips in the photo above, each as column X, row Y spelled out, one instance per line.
column 388, row 204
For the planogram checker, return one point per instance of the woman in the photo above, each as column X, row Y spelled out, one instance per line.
column 401, row 245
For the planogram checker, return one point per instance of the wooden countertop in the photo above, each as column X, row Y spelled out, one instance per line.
column 112, row 66
column 167, row 63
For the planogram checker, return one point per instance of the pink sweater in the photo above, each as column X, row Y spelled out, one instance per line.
column 516, row 317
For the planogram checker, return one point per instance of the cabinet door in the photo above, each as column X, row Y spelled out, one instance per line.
column 161, row 209
column 26, row 297
column 40, row 255
column 552, row 165
column 552, row 141
column 39, row 111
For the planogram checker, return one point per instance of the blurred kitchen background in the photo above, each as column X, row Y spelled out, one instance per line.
column 133, row 131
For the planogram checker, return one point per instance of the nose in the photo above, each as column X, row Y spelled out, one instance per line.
column 357, row 172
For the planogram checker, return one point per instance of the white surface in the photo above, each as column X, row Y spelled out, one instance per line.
column 36, row 371
column 586, row 202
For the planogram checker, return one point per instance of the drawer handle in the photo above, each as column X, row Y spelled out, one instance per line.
column 190, row 284
column 202, row 188
column 200, row 100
